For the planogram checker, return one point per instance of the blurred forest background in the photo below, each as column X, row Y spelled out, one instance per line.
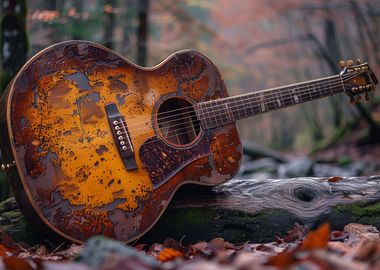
column 256, row 45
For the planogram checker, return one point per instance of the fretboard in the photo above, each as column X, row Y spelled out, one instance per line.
column 222, row 111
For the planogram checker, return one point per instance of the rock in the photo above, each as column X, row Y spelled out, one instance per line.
column 267, row 165
column 255, row 151
column 105, row 253
column 326, row 170
column 299, row 167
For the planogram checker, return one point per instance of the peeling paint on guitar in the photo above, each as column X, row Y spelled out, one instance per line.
column 69, row 170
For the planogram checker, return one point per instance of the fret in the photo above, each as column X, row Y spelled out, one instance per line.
column 309, row 92
column 217, row 112
column 331, row 91
column 271, row 105
column 226, row 110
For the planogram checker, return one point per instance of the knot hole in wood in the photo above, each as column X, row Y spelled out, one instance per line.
column 305, row 194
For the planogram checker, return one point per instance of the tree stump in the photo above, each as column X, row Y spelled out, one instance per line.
column 243, row 210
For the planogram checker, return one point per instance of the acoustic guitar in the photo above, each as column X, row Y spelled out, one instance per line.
column 96, row 145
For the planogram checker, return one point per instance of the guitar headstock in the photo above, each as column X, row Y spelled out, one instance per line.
column 357, row 79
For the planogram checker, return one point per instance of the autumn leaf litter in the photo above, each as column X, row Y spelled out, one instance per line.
column 356, row 247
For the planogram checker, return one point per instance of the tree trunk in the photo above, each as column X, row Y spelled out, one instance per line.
column 109, row 24
column 258, row 210
column 142, row 32
column 13, row 51
column 247, row 210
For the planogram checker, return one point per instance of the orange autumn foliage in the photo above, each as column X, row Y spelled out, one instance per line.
column 317, row 238
column 168, row 254
column 314, row 240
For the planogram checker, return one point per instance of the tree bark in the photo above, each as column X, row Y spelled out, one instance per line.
column 109, row 24
column 258, row 210
column 142, row 32
column 247, row 210
column 13, row 52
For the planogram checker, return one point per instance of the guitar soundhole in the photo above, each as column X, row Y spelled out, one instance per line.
column 177, row 122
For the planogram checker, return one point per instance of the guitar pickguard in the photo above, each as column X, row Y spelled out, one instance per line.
column 162, row 161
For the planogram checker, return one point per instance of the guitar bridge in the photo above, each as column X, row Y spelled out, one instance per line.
column 121, row 136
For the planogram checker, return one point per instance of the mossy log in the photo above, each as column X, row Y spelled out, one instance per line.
column 247, row 210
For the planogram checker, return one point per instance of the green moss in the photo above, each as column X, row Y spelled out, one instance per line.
column 364, row 213
column 359, row 210
column 7, row 205
column 344, row 160
column 337, row 134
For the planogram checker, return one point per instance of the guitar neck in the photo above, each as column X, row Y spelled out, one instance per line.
column 222, row 111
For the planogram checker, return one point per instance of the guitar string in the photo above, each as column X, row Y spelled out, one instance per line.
column 199, row 124
column 269, row 97
column 189, row 121
column 269, row 108
column 337, row 77
column 284, row 95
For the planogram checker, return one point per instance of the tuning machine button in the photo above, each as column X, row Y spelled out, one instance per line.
column 342, row 64
column 6, row 166
column 358, row 61
column 349, row 63
column 366, row 96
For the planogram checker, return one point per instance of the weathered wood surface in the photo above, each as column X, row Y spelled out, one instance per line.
column 249, row 210
column 257, row 210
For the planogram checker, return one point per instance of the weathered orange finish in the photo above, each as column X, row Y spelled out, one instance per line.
column 69, row 171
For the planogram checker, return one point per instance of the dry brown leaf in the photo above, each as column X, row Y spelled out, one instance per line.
column 317, row 239
column 72, row 251
column 5, row 251
column 16, row 263
column 338, row 235
column 314, row 240
column 298, row 232
column 333, row 179
column 283, row 260
column 367, row 250
column 168, row 254
column 339, row 247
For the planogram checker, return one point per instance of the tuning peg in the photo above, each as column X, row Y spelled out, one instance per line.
column 352, row 101
column 342, row 64
column 366, row 96
column 349, row 63
column 359, row 99
column 358, row 61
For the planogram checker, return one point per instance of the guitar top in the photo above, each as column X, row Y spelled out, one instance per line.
column 101, row 145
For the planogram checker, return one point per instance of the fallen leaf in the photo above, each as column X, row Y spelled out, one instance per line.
column 317, row 239
column 15, row 263
column 282, row 260
column 298, row 232
column 333, row 179
column 338, row 235
column 168, row 254
column 72, row 251
column 339, row 247
column 5, row 251
column 367, row 250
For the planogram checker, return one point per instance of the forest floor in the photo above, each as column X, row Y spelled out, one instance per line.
column 357, row 247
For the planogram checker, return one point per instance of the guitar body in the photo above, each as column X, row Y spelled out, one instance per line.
column 74, row 174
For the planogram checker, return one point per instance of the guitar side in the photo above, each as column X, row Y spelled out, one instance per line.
column 70, row 176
